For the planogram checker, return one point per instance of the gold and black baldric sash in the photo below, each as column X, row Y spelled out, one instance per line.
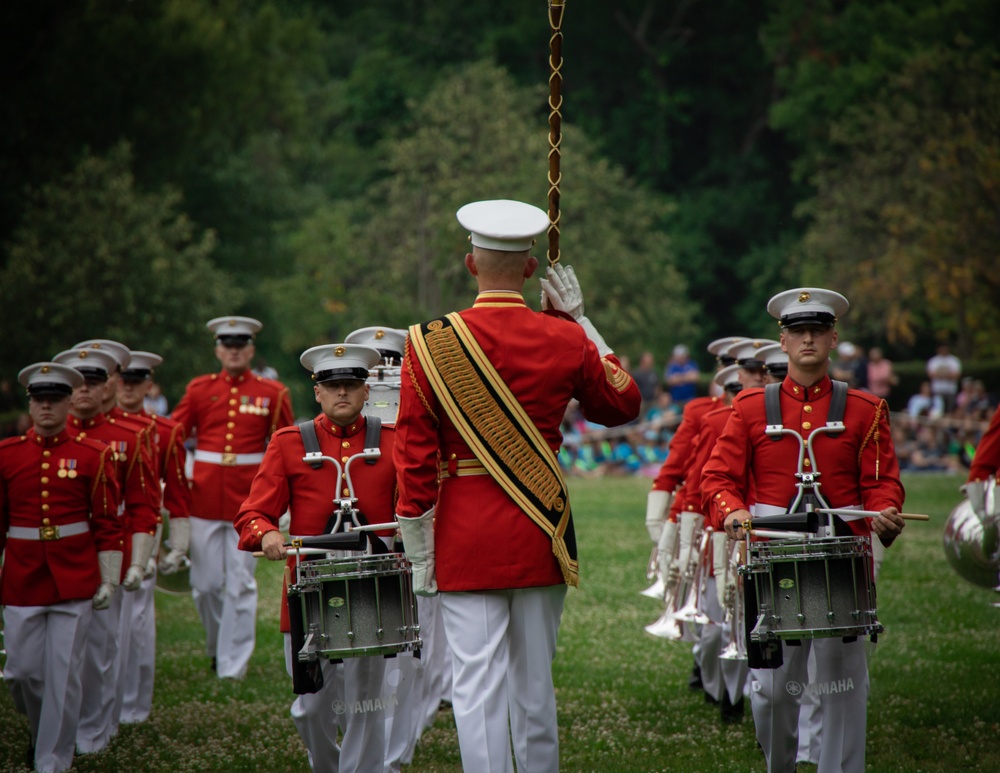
column 497, row 430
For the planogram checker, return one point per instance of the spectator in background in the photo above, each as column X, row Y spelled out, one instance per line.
column 881, row 378
column 648, row 381
column 925, row 403
column 850, row 366
column 972, row 401
column 944, row 370
column 155, row 402
column 681, row 375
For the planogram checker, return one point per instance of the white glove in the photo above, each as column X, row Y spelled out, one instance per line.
column 561, row 291
column 720, row 564
column 142, row 548
column 180, row 540
column 110, row 562
column 657, row 506
column 666, row 547
column 689, row 522
column 151, row 563
column 418, row 543
column 975, row 490
column 285, row 521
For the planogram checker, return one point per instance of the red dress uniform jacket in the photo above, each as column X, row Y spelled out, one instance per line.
column 285, row 482
column 136, row 474
column 986, row 460
column 169, row 440
column 679, row 455
column 483, row 540
column 55, row 481
column 230, row 417
column 857, row 467
column 712, row 424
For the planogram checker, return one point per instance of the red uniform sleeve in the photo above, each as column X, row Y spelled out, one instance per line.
column 176, row 489
column 268, row 499
column 415, row 454
column 609, row 395
column 671, row 474
column 986, row 460
column 142, row 490
column 725, row 476
column 879, row 466
column 283, row 416
column 106, row 526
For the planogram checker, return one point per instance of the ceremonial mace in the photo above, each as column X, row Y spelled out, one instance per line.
column 555, row 125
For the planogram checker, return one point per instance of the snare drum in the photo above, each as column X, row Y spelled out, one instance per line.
column 811, row 589
column 356, row 606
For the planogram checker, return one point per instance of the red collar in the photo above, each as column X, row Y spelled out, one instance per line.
column 343, row 432
column 48, row 442
column 807, row 394
column 508, row 298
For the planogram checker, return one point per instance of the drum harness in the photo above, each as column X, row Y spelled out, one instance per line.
column 307, row 676
column 808, row 500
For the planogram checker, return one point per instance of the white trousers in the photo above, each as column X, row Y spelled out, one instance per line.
column 351, row 701
column 139, row 669
column 225, row 594
column 810, row 718
column 503, row 643
column 840, row 684
column 100, row 671
column 45, row 653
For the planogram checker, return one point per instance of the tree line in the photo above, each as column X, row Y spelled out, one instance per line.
column 166, row 161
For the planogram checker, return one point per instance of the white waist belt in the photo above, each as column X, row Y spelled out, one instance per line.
column 227, row 459
column 47, row 533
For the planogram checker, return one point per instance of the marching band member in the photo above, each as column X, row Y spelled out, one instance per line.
column 231, row 414
column 985, row 465
column 723, row 680
column 62, row 544
column 663, row 503
column 859, row 467
column 286, row 482
column 109, row 639
column 168, row 443
column 483, row 509
column 419, row 682
column 810, row 724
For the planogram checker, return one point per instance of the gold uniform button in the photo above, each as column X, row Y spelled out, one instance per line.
column 231, row 414
column 229, row 436
column 47, row 454
column 45, row 508
column 228, row 449
column 722, row 504
column 806, row 463
column 729, row 510
column 230, row 424
column 233, row 401
column 344, row 459
column 808, row 409
column 45, row 465
column 718, row 496
column 45, row 521
column 347, row 492
column 233, row 390
column 346, row 444
column 807, row 425
column 44, row 481
column 795, row 390
column 45, row 495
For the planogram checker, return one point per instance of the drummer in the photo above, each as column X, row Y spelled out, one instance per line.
column 285, row 482
column 858, row 467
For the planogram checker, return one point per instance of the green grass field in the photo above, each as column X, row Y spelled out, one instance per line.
column 623, row 699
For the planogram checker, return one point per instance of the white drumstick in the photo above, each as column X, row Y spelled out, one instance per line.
column 297, row 551
column 846, row 511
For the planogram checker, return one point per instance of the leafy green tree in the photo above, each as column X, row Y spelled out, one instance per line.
column 909, row 224
column 94, row 257
column 393, row 257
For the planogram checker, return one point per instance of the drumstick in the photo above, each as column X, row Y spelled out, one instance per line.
column 870, row 513
column 296, row 551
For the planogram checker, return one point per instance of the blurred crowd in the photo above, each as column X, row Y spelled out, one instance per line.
column 937, row 431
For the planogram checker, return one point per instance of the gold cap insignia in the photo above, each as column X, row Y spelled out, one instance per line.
column 339, row 351
column 45, row 369
column 803, row 297
column 84, row 354
column 379, row 335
